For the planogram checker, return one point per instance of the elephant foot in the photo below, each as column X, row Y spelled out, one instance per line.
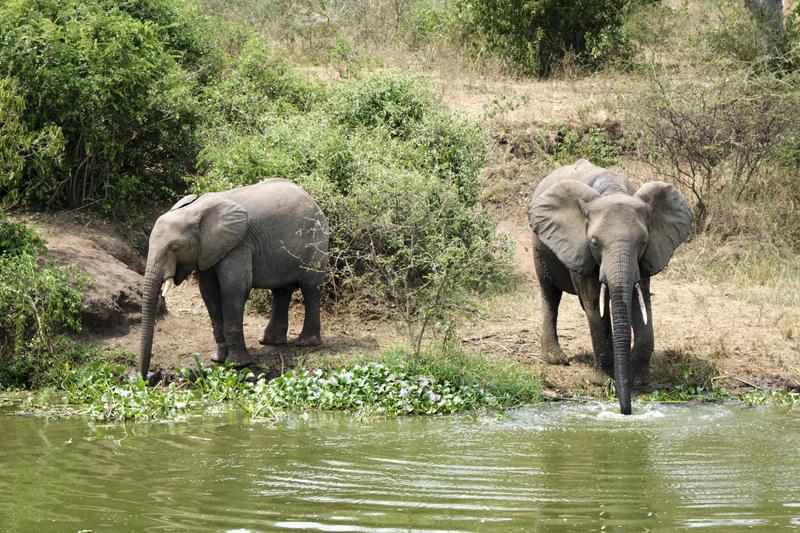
column 271, row 341
column 555, row 356
column 309, row 340
column 221, row 356
column 641, row 382
column 271, row 337
column 241, row 360
column 599, row 377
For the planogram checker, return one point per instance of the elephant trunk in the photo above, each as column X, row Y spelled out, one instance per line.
column 153, row 279
column 621, row 282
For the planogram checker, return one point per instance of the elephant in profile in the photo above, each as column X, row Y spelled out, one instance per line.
column 596, row 236
column 270, row 235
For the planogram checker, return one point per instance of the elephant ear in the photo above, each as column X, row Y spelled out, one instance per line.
column 671, row 222
column 558, row 217
column 183, row 202
column 223, row 224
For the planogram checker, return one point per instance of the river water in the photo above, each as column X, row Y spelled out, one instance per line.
column 556, row 467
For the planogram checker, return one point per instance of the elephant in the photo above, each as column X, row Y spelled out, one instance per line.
column 270, row 235
column 596, row 236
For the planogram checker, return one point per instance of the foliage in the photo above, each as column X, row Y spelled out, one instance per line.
column 114, row 86
column 21, row 147
column 259, row 84
column 782, row 397
column 16, row 238
column 682, row 394
column 39, row 300
column 592, row 144
column 510, row 382
column 437, row 383
column 373, row 387
column 396, row 173
column 104, row 392
column 713, row 138
column 536, row 34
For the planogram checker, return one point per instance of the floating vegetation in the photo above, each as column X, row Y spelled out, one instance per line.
column 105, row 391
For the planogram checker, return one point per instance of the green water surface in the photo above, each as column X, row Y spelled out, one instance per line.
column 551, row 468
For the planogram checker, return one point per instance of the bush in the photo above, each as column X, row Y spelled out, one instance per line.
column 713, row 138
column 592, row 144
column 259, row 86
column 115, row 83
column 390, row 101
column 21, row 148
column 39, row 301
column 535, row 35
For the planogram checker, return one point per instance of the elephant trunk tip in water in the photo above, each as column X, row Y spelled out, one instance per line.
column 596, row 236
column 270, row 235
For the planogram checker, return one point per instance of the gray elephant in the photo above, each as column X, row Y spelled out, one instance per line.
column 596, row 236
column 270, row 235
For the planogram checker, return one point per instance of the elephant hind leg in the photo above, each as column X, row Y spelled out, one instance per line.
column 278, row 326
column 310, row 335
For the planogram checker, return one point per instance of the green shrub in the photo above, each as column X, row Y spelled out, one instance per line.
column 21, row 148
column 390, row 101
column 427, row 21
column 39, row 301
column 291, row 148
column 592, row 144
column 713, row 138
column 395, row 171
column 260, row 86
column 16, row 238
column 110, row 81
column 536, row 34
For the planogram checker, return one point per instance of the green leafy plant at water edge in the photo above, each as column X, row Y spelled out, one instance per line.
column 682, row 394
column 780, row 397
column 433, row 384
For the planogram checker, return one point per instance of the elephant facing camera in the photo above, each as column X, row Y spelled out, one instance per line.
column 596, row 236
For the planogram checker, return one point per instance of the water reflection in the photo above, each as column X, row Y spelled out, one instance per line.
column 560, row 467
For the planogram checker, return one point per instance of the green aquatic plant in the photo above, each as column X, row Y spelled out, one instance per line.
column 372, row 386
column 683, row 394
column 432, row 384
column 780, row 397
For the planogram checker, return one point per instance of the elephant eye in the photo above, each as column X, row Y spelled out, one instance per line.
column 593, row 242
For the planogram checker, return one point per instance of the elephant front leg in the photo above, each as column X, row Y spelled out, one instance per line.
column 310, row 335
column 588, row 289
column 209, row 290
column 551, row 349
column 643, row 339
column 235, row 282
column 278, row 326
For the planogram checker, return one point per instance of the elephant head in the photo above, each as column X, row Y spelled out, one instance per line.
column 620, row 239
column 194, row 235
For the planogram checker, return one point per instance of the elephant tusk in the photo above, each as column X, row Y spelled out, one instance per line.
column 642, row 307
column 165, row 288
column 602, row 299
